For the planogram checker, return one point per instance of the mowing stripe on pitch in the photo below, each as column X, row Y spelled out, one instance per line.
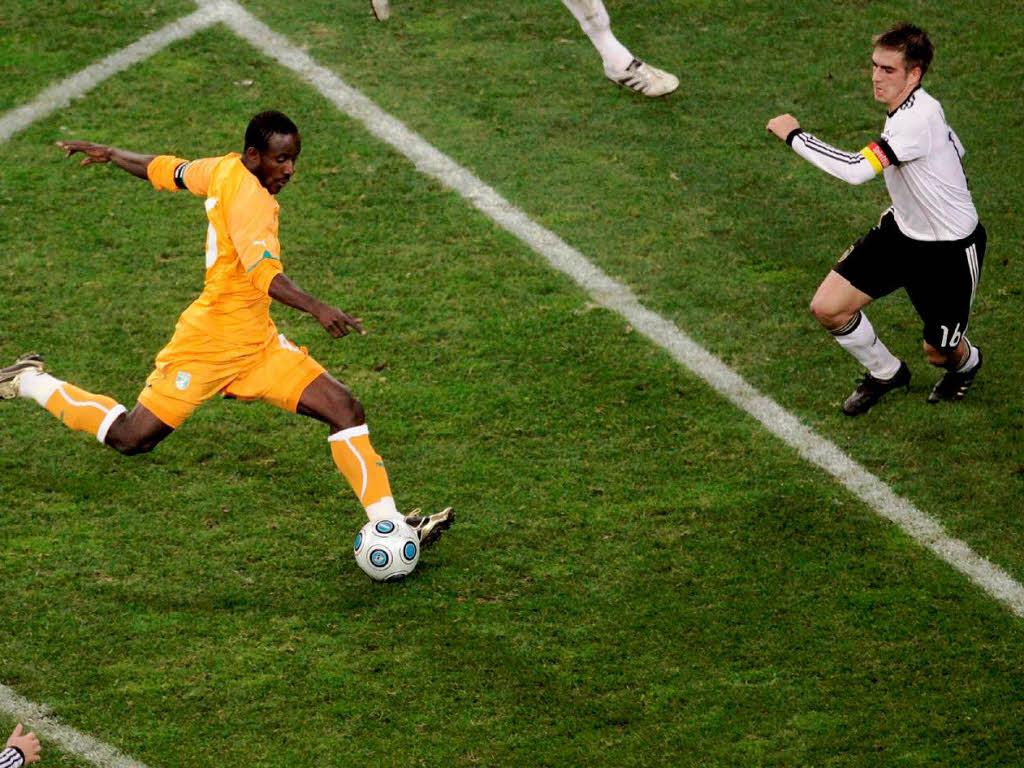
column 60, row 95
column 617, row 297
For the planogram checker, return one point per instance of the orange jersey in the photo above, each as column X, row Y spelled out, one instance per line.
column 242, row 251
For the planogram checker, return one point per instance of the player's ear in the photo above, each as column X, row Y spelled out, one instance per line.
column 252, row 154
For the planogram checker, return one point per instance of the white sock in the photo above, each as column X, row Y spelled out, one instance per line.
column 970, row 360
column 859, row 339
column 594, row 20
column 37, row 386
column 384, row 509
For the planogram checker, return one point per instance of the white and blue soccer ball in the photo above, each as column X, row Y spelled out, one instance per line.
column 387, row 550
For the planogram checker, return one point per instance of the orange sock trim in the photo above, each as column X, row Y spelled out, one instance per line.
column 360, row 464
column 83, row 411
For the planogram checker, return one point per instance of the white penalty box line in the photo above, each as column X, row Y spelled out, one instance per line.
column 61, row 94
column 560, row 256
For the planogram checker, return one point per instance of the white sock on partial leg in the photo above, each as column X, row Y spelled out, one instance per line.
column 970, row 360
column 37, row 386
column 595, row 23
column 859, row 339
column 384, row 509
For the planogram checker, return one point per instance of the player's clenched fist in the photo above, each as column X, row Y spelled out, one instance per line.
column 782, row 126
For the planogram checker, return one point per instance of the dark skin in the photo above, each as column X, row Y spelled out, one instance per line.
column 325, row 399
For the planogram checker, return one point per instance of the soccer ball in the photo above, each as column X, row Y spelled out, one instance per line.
column 387, row 550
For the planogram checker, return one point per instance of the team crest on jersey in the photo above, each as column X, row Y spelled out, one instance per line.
column 182, row 380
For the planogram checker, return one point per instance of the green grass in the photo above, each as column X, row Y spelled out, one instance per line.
column 640, row 575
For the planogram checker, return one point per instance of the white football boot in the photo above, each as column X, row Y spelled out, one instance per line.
column 9, row 376
column 381, row 9
column 645, row 79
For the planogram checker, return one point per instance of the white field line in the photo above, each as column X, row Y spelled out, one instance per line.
column 617, row 297
column 36, row 718
column 60, row 95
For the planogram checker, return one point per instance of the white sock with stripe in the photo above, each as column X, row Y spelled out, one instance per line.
column 594, row 21
column 859, row 339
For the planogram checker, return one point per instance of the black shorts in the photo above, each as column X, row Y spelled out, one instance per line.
column 940, row 277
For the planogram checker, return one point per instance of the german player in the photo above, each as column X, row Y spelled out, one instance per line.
column 929, row 241
column 225, row 342
column 620, row 65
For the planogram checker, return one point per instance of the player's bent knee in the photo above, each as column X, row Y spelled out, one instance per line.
column 134, row 450
column 829, row 316
column 330, row 401
column 128, row 438
column 129, row 445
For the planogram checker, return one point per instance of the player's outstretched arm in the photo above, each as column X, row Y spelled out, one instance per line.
column 336, row 322
column 851, row 167
column 26, row 743
column 133, row 162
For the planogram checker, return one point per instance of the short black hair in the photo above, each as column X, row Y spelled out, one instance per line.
column 266, row 124
column 911, row 41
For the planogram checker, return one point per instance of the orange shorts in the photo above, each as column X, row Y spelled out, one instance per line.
column 191, row 369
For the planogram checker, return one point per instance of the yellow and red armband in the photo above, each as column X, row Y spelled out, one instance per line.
column 880, row 155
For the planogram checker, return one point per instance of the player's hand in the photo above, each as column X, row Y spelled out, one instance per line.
column 27, row 743
column 782, row 126
column 339, row 323
column 94, row 153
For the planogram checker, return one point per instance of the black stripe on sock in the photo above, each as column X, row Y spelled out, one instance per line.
column 850, row 327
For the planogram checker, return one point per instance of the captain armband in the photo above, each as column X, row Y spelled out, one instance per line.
column 880, row 155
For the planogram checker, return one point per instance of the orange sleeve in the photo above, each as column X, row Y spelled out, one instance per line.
column 263, row 274
column 252, row 225
column 173, row 173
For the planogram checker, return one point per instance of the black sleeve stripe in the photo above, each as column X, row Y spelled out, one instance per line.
column 884, row 146
column 792, row 135
column 179, row 176
column 12, row 756
column 817, row 145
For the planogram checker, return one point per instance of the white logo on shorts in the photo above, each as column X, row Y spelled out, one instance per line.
column 183, row 380
column 285, row 344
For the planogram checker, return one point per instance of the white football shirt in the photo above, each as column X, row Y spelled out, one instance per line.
column 922, row 160
column 926, row 177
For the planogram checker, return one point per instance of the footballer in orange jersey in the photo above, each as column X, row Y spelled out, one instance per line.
column 225, row 342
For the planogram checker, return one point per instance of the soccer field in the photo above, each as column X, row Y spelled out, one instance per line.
column 642, row 573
